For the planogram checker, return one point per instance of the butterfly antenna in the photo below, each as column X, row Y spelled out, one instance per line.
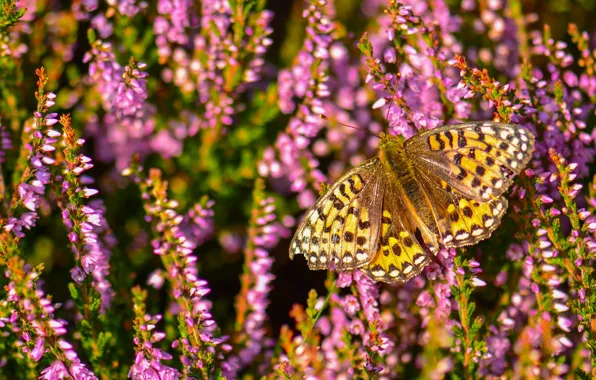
column 333, row 120
column 393, row 96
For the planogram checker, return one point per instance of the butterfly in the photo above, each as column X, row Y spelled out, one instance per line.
column 443, row 186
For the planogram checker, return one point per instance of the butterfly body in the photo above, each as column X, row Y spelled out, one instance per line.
column 441, row 187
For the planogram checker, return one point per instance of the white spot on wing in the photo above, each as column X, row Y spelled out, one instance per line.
column 419, row 260
column 378, row 273
column 477, row 232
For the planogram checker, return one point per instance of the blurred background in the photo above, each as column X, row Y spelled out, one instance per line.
column 221, row 168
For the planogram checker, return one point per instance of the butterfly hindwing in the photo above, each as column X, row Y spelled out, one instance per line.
column 466, row 221
column 406, row 240
column 461, row 221
column 478, row 159
column 339, row 230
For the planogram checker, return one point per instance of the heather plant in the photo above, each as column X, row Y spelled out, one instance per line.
column 157, row 156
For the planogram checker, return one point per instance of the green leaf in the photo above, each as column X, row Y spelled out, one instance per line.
column 365, row 46
column 91, row 36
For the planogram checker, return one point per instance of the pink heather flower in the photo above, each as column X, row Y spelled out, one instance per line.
column 188, row 289
column 148, row 359
column 5, row 143
column 38, row 310
column 151, row 369
column 498, row 347
column 57, row 370
column 198, row 225
column 351, row 305
column 128, row 127
column 344, row 279
column 77, row 275
column 38, row 147
column 265, row 234
column 515, row 252
column 94, row 240
column 170, row 27
column 102, row 25
column 38, row 350
column 302, row 89
column 156, row 279
column 128, row 8
column 80, row 371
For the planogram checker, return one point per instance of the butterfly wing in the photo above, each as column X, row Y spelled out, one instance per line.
column 465, row 169
column 461, row 221
column 341, row 229
column 407, row 236
column 477, row 159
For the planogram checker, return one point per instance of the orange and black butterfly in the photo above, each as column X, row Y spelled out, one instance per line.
column 440, row 187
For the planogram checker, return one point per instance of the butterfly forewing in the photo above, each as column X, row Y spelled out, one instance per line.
column 477, row 159
column 341, row 229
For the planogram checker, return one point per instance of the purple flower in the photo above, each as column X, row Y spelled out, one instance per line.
column 38, row 350
column 351, row 305
column 515, row 252
column 198, row 225
column 57, row 370
column 302, row 88
column 80, row 371
column 151, row 369
column 127, row 7
column 92, row 244
column 128, row 127
column 77, row 275
column 101, row 24
column 188, row 289
column 256, row 283
column 148, row 359
column 5, row 143
column 38, row 147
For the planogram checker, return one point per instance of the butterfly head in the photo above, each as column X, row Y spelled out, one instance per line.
column 389, row 142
